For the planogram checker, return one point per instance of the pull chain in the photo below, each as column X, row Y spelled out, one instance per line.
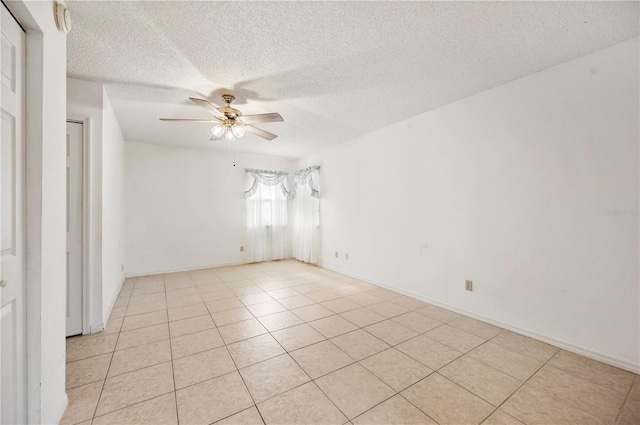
column 232, row 154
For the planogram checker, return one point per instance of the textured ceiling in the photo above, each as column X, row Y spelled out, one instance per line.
column 333, row 70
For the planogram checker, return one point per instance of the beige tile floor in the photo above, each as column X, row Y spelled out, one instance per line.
column 289, row 343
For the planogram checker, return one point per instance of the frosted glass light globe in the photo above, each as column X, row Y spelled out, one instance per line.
column 229, row 136
column 218, row 130
column 238, row 130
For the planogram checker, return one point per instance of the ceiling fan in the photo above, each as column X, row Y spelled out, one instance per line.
column 228, row 122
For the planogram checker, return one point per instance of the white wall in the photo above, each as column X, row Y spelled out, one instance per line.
column 45, row 210
column 112, row 208
column 185, row 207
column 509, row 188
column 106, row 208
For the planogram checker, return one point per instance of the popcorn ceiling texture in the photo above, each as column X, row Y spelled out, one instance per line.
column 334, row 70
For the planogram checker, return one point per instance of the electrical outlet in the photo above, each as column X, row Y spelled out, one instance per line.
column 468, row 285
column 241, row 248
column 346, row 256
column 336, row 254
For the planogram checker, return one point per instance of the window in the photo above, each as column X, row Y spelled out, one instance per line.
column 266, row 198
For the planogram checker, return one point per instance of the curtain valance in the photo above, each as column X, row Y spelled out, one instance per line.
column 310, row 176
column 257, row 177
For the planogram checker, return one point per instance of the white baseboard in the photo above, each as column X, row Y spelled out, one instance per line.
column 97, row 327
column 61, row 410
column 187, row 269
column 586, row 352
column 210, row 266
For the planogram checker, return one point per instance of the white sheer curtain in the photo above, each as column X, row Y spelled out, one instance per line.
column 266, row 195
column 306, row 216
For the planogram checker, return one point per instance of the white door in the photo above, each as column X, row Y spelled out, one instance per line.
column 74, row 228
column 12, row 266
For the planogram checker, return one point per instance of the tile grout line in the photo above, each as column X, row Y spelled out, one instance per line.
column 419, row 409
column 313, row 380
column 379, row 378
column 476, row 395
column 304, row 322
column 524, row 383
column 285, row 352
column 278, row 342
column 358, row 362
column 225, row 345
column 173, row 371
column 325, row 338
column 633, row 384
column 291, row 357
column 93, row 415
column 344, row 296
column 344, row 413
column 493, row 367
column 238, row 412
column 244, row 383
column 129, row 405
column 107, row 376
column 435, row 371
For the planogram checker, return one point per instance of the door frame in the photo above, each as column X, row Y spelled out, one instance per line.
column 86, row 211
column 44, row 125
column 34, row 139
column 18, row 245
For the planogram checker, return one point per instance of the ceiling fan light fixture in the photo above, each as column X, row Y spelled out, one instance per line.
column 231, row 122
column 218, row 130
column 229, row 136
column 238, row 131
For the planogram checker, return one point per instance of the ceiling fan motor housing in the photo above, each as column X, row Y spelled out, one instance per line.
column 230, row 112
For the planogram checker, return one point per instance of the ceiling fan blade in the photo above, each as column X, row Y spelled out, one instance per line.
column 256, row 118
column 186, row 120
column 206, row 105
column 259, row 132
